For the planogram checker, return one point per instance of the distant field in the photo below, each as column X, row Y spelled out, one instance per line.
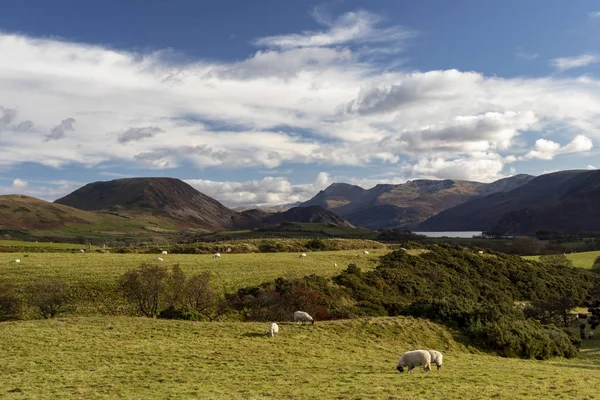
column 94, row 275
column 18, row 243
column 125, row 357
column 580, row 260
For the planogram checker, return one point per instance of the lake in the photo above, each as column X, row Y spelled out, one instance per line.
column 458, row 234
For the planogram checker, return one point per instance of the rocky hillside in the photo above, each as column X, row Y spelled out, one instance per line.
column 566, row 201
column 405, row 205
column 259, row 219
column 166, row 198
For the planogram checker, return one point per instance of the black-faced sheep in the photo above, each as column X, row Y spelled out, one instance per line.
column 415, row 358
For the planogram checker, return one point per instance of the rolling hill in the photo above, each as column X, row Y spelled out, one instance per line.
column 565, row 201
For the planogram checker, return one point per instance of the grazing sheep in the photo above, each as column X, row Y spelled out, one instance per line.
column 403, row 249
column 217, row 255
column 18, row 260
column 480, row 252
column 81, row 250
column 273, row 329
column 303, row 255
column 415, row 358
column 304, row 317
column 366, row 253
column 590, row 334
column 436, row 358
column 164, row 252
column 335, row 264
column 160, row 259
column 228, row 250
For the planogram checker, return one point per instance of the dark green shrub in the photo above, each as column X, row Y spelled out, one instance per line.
column 316, row 245
column 145, row 287
column 176, row 313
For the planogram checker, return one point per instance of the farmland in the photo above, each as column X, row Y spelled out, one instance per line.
column 93, row 276
column 127, row 357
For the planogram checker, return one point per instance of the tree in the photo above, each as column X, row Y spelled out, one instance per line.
column 176, row 286
column 145, row 287
column 556, row 260
column 556, row 310
column 49, row 296
column 200, row 297
column 526, row 245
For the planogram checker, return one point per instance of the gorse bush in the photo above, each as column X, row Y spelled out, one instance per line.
column 458, row 287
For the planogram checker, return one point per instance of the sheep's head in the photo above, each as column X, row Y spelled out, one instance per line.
column 312, row 321
column 399, row 368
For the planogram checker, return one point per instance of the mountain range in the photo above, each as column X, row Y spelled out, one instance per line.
column 405, row 205
column 565, row 201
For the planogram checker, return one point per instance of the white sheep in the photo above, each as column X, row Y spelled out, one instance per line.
column 403, row 249
column 304, row 317
column 335, row 264
column 480, row 252
column 415, row 358
column 228, row 250
column 436, row 358
column 273, row 329
column 18, row 260
column 164, row 252
column 590, row 334
column 217, row 255
column 81, row 250
column 303, row 255
column 366, row 253
column 160, row 259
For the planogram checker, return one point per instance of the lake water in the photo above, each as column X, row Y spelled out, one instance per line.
column 463, row 234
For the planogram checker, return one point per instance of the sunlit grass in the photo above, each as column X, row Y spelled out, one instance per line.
column 126, row 357
column 580, row 260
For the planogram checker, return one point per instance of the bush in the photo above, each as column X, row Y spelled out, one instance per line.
column 50, row 297
column 176, row 313
column 145, row 287
column 10, row 304
column 316, row 245
column 596, row 265
column 556, row 260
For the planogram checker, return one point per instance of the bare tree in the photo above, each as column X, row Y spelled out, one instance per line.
column 49, row 296
column 145, row 287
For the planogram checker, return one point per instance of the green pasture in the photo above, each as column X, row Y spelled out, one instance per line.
column 580, row 260
column 139, row 358
column 93, row 276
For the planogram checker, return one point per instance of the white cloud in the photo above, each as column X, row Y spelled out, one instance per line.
column 594, row 14
column 547, row 149
column 526, row 55
column 583, row 60
column 309, row 98
column 19, row 184
column 590, row 167
column 268, row 191
column 357, row 27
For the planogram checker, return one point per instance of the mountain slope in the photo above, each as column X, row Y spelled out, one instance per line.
column 167, row 198
column 404, row 205
column 314, row 214
column 562, row 201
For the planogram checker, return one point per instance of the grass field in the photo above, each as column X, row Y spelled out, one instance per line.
column 140, row 358
column 49, row 245
column 93, row 276
column 580, row 260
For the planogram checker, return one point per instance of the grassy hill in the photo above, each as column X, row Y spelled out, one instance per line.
column 30, row 218
column 124, row 357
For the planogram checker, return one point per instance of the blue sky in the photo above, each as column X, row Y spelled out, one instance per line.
column 268, row 102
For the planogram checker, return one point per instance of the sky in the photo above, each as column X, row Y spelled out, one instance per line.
column 268, row 102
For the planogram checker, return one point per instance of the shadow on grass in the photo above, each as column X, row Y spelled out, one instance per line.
column 254, row 334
